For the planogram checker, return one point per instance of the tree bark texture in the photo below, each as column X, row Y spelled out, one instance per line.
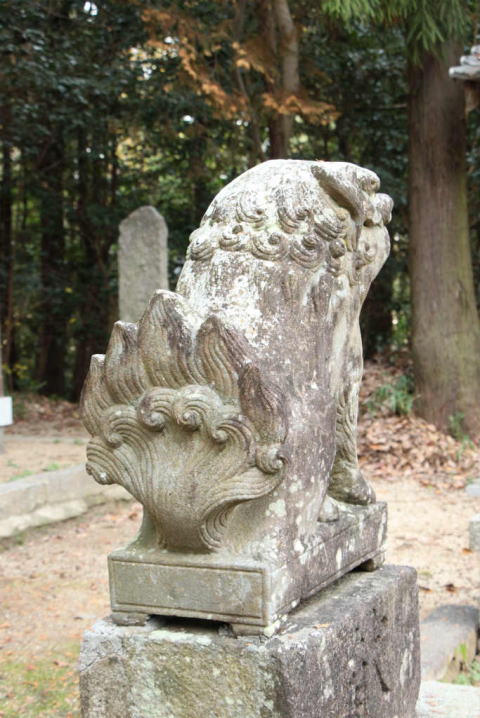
column 446, row 329
column 281, row 37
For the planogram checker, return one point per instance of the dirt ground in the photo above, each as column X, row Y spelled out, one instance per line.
column 40, row 416
column 28, row 455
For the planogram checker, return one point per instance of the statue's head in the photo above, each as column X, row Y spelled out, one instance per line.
column 319, row 215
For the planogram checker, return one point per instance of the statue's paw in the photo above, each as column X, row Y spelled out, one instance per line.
column 362, row 493
column 329, row 511
column 352, row 489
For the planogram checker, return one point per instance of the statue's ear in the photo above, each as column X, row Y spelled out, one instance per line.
column 384, row 205
column 340, row 187
column 350, row 186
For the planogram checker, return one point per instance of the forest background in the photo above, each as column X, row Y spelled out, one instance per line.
column 108, row 106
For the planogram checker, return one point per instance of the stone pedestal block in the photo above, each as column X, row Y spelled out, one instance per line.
column 253, row 596
column 351, row 651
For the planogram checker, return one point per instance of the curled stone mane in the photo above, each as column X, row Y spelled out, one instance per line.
column 311, row 213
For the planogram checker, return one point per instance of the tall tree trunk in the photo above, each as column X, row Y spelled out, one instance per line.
column 281, row 37
column 446, row 329
column 92, row 330
column 53, row 334
column 288, row 51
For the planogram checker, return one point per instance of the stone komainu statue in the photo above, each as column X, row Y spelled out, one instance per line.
column 230, row 410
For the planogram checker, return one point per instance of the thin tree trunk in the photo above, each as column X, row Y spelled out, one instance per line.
column 50, row 370
column 82, row 334
column 7, row 251
column 53, row 335
column 288, row 47
column 92, row 331
column 255, row 151
column 98, row 309
column 281, row 37
column 5, row 239
column 446, row 329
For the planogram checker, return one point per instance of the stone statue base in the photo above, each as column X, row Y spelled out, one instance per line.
column 352, row 650
column 253, row 596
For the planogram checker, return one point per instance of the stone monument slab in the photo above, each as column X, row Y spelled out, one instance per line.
column 142, row 261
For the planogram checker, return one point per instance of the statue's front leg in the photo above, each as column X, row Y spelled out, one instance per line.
column 346, row 482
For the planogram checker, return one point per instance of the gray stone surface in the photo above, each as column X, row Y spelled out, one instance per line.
column 443, row 632
column 142, row 261
column 474, row 532
column 473, row 488
column 351, row 651
column 445, row 700
column 230, row 410
column 51, row 496
column 469, row 68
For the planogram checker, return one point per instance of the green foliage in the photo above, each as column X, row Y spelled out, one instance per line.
column 396, row 397
column 348, row 10
column 21, row 475
column 44, row 687
column 469, row 673
column 19, row 406
column 430, row 23
column 18, row 539
column 426, row 23
column 457, row 430
column 51, row 467
column 462, row 651
column 455, row 424
column 92, row 104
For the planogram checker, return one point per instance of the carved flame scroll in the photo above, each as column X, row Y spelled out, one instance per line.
column 183, row 420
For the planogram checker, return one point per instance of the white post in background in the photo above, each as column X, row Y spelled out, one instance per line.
column 6, row 417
